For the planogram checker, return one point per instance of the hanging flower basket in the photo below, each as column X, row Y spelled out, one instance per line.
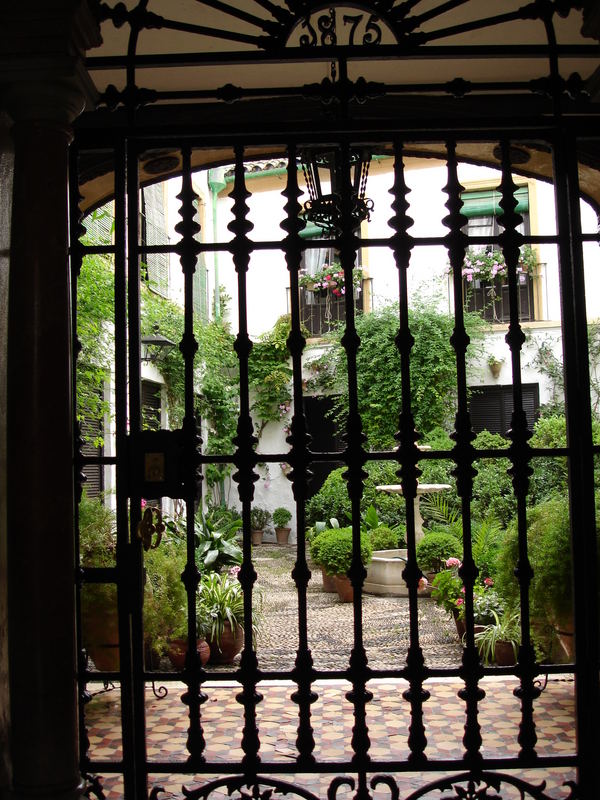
column 329, row 279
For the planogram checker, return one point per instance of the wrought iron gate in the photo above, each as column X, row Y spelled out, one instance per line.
column 168, row 464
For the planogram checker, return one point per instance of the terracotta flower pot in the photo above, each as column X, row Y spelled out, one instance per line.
column 460, row 624
column 504, row 654
column 178, row 649
column 257, row 537
column 228, row 647
column 328, row 582
column 344, row 588
column 100, row 629
column 282, row 535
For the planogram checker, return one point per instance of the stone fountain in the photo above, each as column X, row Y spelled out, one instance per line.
column 384, row 573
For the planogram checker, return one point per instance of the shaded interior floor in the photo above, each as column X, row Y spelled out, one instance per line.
column 388, row 718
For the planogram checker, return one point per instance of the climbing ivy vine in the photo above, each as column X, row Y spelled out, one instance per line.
column 432, row 368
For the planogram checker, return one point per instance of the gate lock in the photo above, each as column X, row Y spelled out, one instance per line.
column 158, row 466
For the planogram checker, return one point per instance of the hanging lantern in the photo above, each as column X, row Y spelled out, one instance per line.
column 325, row 210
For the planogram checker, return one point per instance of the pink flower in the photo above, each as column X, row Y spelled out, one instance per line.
column 423, row 583
column 143, row 503
column 462, row 589
column 459, row 601
column 233, row 571
column 488, row 581
column 453, row 562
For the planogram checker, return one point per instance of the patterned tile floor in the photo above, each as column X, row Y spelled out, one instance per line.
column 332, row 721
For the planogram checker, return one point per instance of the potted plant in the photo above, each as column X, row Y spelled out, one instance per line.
column 495, row 365
column 259, row 519
column 99, row 617
column 221, row 604
column 434, row 550
column 499, row 641
column 216, row 539
column 281, row 516
column 165, row 602
column 329, row 278
column 314, row 538
column 551, row 588
column 335, row 554
column 447, row 592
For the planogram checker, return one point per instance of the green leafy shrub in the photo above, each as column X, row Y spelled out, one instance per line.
column 549, row 551
column 446, row 589
column 435, row 548
column 550, row 475
column 281, row 517
column 492, row 486
column 165, row 597
column 432, row 370
column 259, row 518
column 384, row 538
column 334, row 551
column 220, row 600
column 332, row 498
column 216, row 540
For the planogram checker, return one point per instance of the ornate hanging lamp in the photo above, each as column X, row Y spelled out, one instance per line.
column 325, row 210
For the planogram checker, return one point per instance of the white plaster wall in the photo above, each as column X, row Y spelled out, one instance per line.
column 268, row 279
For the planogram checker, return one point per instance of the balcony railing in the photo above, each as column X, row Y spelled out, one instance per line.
column 322, row 312
column 490, row 298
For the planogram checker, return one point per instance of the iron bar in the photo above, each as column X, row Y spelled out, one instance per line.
column 298, row 458
column 520, row 470
column 189, row 247
column 462, row 453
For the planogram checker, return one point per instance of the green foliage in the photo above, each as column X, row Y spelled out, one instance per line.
column 549, row 552
column 502, row 629
column 217, row 545
column 220, row 600
column 446, row 590
column 281, row 517
column 487, row 538
column 492, row 486
column 550, row 474
column 435, row 548
column 432, row 364
column 334, row 550
column 259, row 518
column 95, row 331
column 270, row 374
column 332, row 498
column 97, row 533
column 486, row 604
column 218, row 402
column 384, row 538
column 165, row 597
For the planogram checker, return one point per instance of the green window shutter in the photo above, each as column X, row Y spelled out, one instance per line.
column 200, row 292
column 312, row 232
column 154, row 233
column 486, row 203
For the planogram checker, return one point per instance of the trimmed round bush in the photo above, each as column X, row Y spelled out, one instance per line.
column 335, row 550
column 435, row 548
column 383, row 538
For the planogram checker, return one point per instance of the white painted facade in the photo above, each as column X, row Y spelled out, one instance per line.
column 268, row 279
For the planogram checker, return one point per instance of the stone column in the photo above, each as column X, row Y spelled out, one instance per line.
column 43, row 88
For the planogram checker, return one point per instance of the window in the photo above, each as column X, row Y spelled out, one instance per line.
column 153, row 232
column 484, row 291
column 491, row 407
column 321, row 309
column 91, row 432
column 151, row 405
